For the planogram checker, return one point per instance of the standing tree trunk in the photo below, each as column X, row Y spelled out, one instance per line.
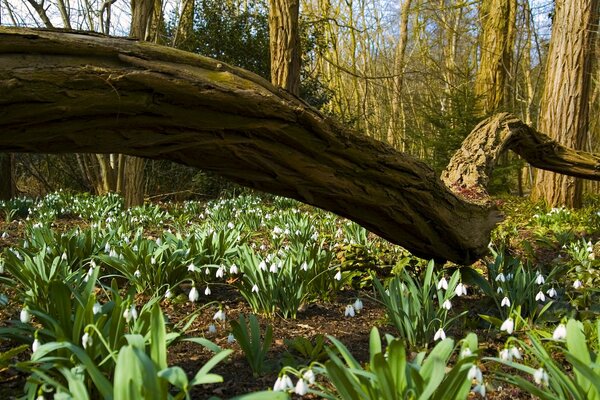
column 185, row 25
column 565, row 102
column 497, row 43
column 7, row 182
column 284, row 42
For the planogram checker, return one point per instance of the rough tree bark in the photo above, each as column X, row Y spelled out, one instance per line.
column 284, row 42
column 67, row 92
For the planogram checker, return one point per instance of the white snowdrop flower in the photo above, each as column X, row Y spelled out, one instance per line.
column 207, row 291
column 25, row 317
column 113, row 254
column 466, row 352
column 442, row 284
column 277, row 231
column 338, row 276
column 540, row 279
column 439, row 335
column 500, row 277
column 168, row 294
column 309, row 376
column 273, row 268
column 447, row 305
column 577, row 284
column 206, row 271
column 460, row 290
column 230, row 225
column 133, row 312
column 304, row 266
column 560, row 333
column 505, row 302
column 286, row 232
column 540, row 376
column 233, row 269
column 499, row 290
column 127, row 315
column 63, row 257
column 230, row 338
column 137, row 273
column 508, row 325
column 540, row 296
column 158, row 241
column 191, row 267
column 479, row 389
column 262, row 247
column 4, row 235
column 220, row 272
column 194, row 295
column 358, row 305
column 315, row 236
column 212, row 329
column 262, row 266
column 107, row 248
column 301, row 388
column 349, row 311
column 510, row 276
column 219, row 315
column 255, row 288
column 35, row 345
column 475, row 373
column 277, row 386
column 86, row 340
column 551, row 292
column 286, row 382
column 505, row 355
column 515, row 353
column 97, row 308
column 135, row 248
column 152, row 260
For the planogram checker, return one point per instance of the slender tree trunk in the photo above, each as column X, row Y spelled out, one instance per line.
column 284, row 42
column 565, row 102
column 185, row 25
column 7, row 181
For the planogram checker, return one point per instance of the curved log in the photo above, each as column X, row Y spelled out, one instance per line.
column 74, row 92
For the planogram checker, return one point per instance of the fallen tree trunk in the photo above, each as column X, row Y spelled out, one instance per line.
column 74, row 92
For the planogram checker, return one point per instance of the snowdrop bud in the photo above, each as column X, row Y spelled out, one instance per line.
column 508, row 325
column 540, row 376
column 25, row 316
column 447, row 305
column 206, row 271
column 505, row 302
column 540, row 296
column 36, row 345
column 86, row 340
column 442, row 284
column 207, row 291
column 349, row 311
column 338, row 276
column 439, row 335
column 358, row 305
column 194, row 295
column 560, row 333
column 301, row 388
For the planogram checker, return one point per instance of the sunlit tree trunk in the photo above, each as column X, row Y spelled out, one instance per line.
column 284, row 41
column 565, row 103
column 497, row 44
column 185, row 25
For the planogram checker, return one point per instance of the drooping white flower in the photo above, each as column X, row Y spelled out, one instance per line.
column 577, row 284
column 230, row 338
column 540, row 376
column 439, row 335
column 358, row 305
column 301, row 387
column 35, row 345
column 442, row 284
column 212, row 329
column 479, row 389
column 97, row 308
column 273, row 268
column 508, row 325
column 447, row 305
column 460, row 290
column 500, row 277
column 349, row 311
column 309, row 376
column 64, row 256
column 262, row 266
column 220, row 272
column 255, row 288
column 540, row 296
column 551, row 292
column 277, row 386
column 25, row 317
column 560, row 333
column 233, row 269
column 515, row 353
column 540, row 279
column 505, row 302
column 219, row 315
column 137, row 273
column 206, row 271
column 475, row 373
column 191, row 267
column 86, row 340
column 505, row 355
column 304, row 266
column 207, row 291
column 194, row 295
column 230, row 225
